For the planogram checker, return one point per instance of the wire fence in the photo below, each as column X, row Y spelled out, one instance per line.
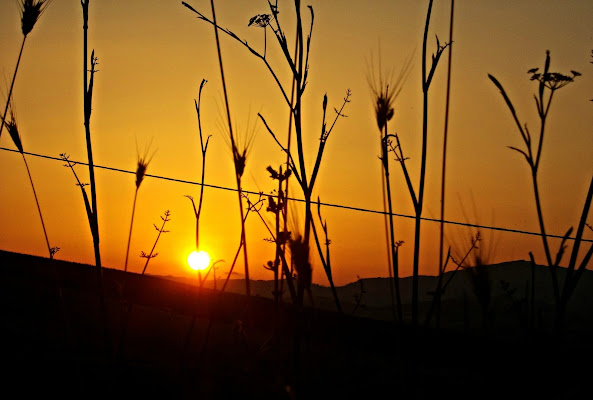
column 342, row 206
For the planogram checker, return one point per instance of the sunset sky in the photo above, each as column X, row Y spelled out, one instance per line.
column 152, row 56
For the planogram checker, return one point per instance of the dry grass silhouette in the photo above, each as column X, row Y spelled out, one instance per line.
column 141, row 167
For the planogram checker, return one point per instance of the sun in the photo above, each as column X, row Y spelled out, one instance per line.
column 198, row 260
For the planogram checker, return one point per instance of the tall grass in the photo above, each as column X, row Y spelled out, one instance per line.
column 385, row 92
column 141, row 167
column 547, row 84
column 239, row 156
column 30, row 11
column 14, row 133
column 391, row 143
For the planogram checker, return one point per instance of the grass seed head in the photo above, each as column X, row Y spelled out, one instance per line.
column 240, row 160
column 383, row 106
column 13, row 131
column 31, row 10
column 385, row 89
column 141, row 171
column 142, row 166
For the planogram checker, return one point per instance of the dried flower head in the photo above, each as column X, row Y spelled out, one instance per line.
column 299, row 251
column 31, row 10
column 551, row 80
column 261, row 20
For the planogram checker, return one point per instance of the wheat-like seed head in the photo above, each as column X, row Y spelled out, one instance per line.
column 385, row 92
column 142, row 166
column 13, row 130
column 31, row 10
column 241, row 143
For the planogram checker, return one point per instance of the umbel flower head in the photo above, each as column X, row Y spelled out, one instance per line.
column 261, row 20
column 31, row 10
column 551, row 80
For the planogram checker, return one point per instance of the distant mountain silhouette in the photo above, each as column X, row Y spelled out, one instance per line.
column 509, row 283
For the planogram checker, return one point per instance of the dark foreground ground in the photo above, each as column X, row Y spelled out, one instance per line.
column 180, row 344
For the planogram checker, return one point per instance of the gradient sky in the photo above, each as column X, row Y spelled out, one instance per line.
column 153, row 54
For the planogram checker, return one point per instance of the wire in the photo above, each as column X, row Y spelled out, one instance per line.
column 345, row 207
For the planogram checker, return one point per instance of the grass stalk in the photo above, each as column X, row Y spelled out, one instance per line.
column 14, row 133
column 238, row 159
column 392, row 247
column 5, row 113
column 384, row 94
column 141, row 167
column 31, row 11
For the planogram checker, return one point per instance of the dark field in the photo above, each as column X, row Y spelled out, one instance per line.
column 183, row 344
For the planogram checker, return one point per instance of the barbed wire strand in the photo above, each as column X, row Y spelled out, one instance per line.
column 341, row 206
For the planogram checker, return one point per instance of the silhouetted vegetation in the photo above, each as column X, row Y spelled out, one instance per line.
column 187, row 340
column 547, row 84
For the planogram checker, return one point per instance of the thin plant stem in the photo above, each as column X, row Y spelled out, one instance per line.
column 418, row 208
column 235, row 152
column 387, row 236
column 203, row 148
column 288, row 147
column 552, row 81
column 443, row 175
column 92, row 207
column 394, row 260
column 12, row 85
column 131, row 225
column 49, row 249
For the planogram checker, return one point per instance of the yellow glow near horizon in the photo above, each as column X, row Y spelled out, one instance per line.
column 198, row 260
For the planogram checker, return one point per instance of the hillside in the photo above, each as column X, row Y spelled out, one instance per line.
column 510, row 291
column 184, row 343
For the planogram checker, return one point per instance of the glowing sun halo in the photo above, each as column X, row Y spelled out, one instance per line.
column 198, row 260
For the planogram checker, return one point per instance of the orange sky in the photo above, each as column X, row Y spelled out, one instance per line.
column 153, row 55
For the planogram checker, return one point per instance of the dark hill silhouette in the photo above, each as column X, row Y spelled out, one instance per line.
column 181, row 344
column 510, row 284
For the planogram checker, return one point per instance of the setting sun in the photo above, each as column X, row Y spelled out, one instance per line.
column 198, row 260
